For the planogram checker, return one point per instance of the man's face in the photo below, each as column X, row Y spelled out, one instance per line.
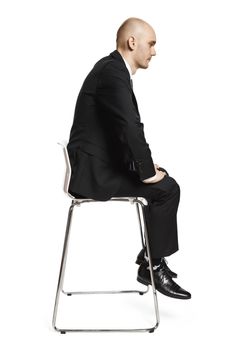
column 145, row 48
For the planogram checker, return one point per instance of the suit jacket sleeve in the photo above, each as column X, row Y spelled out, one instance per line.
column 115, row 98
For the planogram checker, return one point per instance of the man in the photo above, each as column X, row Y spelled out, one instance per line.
column 109, row 154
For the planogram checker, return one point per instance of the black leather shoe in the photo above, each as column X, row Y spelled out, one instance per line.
column 163, row 282
column 141, row 260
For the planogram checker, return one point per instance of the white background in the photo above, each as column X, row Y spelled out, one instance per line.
column 185, row 100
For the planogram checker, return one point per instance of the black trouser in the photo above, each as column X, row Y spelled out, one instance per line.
column 163, row 200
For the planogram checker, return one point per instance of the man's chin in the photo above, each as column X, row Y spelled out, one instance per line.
column 145, row 66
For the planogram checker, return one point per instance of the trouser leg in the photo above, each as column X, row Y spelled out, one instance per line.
column 161, row 217
column 163, row 198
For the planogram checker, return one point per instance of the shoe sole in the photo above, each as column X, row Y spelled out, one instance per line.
column 140, row 280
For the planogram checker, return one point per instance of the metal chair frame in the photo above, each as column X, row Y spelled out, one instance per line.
column 140, row 202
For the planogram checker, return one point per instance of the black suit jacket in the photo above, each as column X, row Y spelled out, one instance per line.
column 107, row 139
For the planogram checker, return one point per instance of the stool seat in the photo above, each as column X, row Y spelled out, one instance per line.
column 122, row 199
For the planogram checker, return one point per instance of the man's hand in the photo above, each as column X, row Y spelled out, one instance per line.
column 158, row 176
column 159, row 168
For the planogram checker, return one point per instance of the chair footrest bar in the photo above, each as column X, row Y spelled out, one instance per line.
column 106, row 292
column 73, row 330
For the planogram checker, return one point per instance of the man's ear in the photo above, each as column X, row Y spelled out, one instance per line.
column 131, row 43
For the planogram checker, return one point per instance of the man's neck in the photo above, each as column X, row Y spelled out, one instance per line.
column 129, row 60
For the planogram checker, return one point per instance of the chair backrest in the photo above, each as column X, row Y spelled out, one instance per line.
column 63, row 144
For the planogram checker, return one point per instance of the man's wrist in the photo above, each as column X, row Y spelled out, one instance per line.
column 150, row 179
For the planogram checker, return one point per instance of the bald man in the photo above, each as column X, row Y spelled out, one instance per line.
column 109, row 154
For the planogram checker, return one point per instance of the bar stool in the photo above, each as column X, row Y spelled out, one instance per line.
column 140, row 202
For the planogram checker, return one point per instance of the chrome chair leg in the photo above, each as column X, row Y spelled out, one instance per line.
column 140, row 224
column 141, row 232
column 62, row 273
column 150, row 266
column 63, row 264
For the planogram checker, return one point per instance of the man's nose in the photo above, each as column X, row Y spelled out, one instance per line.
column 153, row 52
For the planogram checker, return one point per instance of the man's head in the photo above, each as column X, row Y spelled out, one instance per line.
column 136, row 41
